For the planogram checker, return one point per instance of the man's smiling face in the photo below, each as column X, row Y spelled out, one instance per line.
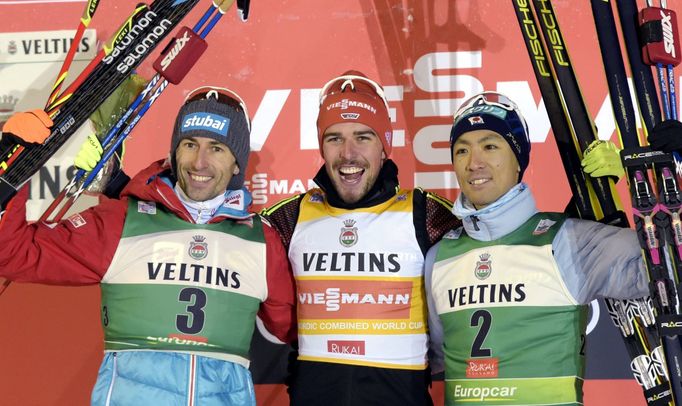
column 485, row 165
column 204, row 167
column 353, row 156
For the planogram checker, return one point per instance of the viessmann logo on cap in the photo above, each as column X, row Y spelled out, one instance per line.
column 346, row 104
column 207, row 122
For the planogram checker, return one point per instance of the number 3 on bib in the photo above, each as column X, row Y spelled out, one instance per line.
column 193, row 322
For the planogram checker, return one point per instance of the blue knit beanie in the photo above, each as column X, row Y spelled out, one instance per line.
column 213, row 112
column 495, row 112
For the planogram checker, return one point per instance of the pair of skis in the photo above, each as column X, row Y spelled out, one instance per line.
column 657, row 209
column 173, row 64
column 139, row 35
column 132, row 42
column 85, row 20
column 595, row 198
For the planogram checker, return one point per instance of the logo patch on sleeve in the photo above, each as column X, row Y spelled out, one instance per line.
column 146, row 207
column 77, row 221
column 235, row 200
column 316, row 198
column 454, row 234
column 543, row 226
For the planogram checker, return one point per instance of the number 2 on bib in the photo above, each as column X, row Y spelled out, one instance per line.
column 484, row 319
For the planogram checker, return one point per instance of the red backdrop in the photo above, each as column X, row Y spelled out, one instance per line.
column 430, row 54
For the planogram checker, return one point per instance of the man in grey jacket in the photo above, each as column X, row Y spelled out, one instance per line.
column 507, row 290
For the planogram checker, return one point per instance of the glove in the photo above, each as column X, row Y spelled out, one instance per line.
column 666, row 136
column 28, row 127
column 87, row 158
column 104, row 118
column 116, row 104
column 602, row 158
column 89, row 154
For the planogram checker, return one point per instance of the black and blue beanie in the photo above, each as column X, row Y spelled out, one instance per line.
column 211, row 118
column 507, row 122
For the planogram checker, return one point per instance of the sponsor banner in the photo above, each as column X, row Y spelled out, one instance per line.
column 359, row 299
column 482, row 368
column 45, row 46
column 522, row 391
column 394, row 351
column 264, row 185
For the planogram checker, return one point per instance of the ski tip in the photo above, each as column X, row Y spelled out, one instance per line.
column 243, row 9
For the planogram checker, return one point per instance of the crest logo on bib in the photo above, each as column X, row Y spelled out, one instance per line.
column 349, row 234
column 483, row 267
column 198, row 249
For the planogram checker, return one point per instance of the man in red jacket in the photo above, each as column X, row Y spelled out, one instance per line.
column 184, row 268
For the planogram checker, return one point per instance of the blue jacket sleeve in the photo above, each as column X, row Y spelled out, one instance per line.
column 598, row 260
column 436, row 355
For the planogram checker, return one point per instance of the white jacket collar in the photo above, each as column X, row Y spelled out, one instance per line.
column 500, row 218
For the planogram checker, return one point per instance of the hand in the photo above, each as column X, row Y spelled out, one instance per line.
column 666, row 136
column 602, row 158
column 103, row 119
column 108, row 113
column 89, row 154
column 28, row 127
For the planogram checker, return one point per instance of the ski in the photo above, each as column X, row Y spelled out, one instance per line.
column 647, row 102
column 584, row 129
column 561, row 94
column 654, row 216
column 107, row 48
column 668, row 187
column 130, row 48
column 52, row 108
column 243, row 7
column 582, row 203
column 636, row 322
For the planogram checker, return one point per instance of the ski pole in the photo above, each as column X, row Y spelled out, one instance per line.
column 88, row 13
